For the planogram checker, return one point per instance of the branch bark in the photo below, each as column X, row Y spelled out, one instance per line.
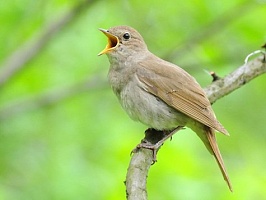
column 142, row 160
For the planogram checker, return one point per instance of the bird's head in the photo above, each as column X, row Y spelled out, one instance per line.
column 123, row 40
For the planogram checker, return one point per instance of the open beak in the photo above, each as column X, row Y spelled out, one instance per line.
column 112, row 42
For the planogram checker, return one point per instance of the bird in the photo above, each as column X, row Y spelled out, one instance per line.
column 158, row 93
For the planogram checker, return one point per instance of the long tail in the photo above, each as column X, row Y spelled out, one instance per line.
column 207, row 135
column 212, row 146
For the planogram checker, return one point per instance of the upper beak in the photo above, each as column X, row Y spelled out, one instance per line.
column 112, row 42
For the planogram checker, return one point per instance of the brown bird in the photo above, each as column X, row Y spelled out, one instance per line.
column 158, row 93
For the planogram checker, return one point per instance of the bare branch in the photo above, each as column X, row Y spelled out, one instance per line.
column 141, row 160
column 236, row 79
column 137, row 174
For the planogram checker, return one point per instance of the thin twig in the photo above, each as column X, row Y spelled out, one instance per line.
column 236, row 79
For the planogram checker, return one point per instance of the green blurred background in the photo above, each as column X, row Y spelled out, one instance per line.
column 63, row 134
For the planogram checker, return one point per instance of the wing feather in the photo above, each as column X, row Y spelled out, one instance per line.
column 178, row 89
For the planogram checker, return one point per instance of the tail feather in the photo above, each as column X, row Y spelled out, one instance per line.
column 216, row 152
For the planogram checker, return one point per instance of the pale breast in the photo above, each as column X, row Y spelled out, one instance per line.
column 148, row 109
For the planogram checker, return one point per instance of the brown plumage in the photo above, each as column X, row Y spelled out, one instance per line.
column 186, row 97
column 184, row 93
column 158, row 93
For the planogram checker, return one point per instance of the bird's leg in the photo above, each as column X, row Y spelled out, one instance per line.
column 154, row 139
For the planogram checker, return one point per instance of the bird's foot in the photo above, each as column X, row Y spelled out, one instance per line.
column 154, row 139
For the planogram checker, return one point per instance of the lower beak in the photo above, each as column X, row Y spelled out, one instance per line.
column 112, row 42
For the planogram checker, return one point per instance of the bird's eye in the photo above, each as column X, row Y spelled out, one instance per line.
column 126, row 36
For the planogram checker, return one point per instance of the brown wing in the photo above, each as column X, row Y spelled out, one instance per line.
column 178, row 89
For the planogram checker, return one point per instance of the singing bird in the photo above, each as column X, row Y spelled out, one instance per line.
column 158, row 93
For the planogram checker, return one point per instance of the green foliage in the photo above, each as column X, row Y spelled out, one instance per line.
column 78, row 147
